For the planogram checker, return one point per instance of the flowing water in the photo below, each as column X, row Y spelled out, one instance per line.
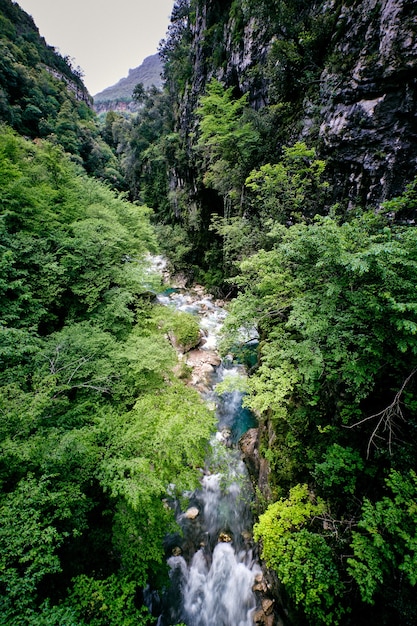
column 213, row 563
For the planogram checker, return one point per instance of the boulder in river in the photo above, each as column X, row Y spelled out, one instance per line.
column 192, row 513
column 225, row 537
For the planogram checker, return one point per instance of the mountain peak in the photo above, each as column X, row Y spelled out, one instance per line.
column 119, row 97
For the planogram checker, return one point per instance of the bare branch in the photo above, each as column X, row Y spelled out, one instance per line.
column 387, row 419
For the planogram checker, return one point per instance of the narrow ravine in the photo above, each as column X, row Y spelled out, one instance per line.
column 214, row 569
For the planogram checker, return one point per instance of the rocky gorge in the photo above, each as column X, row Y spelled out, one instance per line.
column 214, row 563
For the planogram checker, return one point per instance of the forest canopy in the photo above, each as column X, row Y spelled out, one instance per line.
column 94, row 425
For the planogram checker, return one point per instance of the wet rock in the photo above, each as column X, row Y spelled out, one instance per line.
column 224, row 435
column 192, row 513
column 267, row 606
column 262, row 619
column 179, row 280
column 199, row 290
column 260, row 584
column 196, row 358
column 206, row 368
column 249, row 445
column 176, row 551
column 225, row 538
column 203, row 363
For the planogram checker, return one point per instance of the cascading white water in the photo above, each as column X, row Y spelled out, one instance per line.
column 213, row 577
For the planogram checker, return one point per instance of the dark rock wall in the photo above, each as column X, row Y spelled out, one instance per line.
column 361, row 110
column 368, row 98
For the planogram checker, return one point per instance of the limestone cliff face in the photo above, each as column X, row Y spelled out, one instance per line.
column 359, row 108
column 368, row 114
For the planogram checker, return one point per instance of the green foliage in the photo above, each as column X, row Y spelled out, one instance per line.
column 29, row 539
column 174, row 241
column 337, row 305
column 301, row 558
column 183, row 326
column 339, row 470
column 386, row 541
column 42, row 95
column 175, row 50
column 162, row 439
column 94, row 428
column 147, row 147
column 81, row 239
column 226, row 140
column 289, row 190
column 334, row 304
column 286, row 192
column 108, row 602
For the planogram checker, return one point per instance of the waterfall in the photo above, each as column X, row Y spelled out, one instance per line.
column 214, row 564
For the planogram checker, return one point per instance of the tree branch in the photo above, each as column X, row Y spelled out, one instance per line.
column 386, row 419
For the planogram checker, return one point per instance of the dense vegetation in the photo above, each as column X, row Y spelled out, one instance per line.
column 94, row 425
column 336, row 309
column 42, row 95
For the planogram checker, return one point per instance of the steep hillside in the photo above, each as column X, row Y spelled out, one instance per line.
column 43, row 96
column 35, row 80
column 118, row 97
column 290, row 156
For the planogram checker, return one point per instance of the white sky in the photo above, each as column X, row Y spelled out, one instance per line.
column 105, row 38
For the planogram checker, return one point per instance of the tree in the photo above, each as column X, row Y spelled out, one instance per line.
column 335, row 309
column 302, row 559
column 386, row 539
column 94, row 426
column 290, row 190
column 227, row 140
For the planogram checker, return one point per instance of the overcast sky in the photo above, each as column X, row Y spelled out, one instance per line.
column 105, row 38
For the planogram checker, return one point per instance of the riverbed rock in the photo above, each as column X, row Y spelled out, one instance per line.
column 192, row 513
column 267, row 606
column 224, row 436
column 196, row 358
column 184, row 348
column 202, row 363
column 225, row 538
column 199, row 290
column 249, row 445
column 261, row 619
column 260, row 584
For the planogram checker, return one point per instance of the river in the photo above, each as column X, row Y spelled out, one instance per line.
column 213, row 563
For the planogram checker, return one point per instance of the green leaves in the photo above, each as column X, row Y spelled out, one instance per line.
column 94, row 428
column 30, row 536
column 226, row 139
column 387, row 537
column 162, row 440
column 66, row 241
column 301, row 558
column 289, row 190
column 108, row 602
column 335, row 308
column 336, row 303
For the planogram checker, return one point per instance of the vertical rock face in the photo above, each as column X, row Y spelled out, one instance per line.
column 368, row 97
column 359, row 108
